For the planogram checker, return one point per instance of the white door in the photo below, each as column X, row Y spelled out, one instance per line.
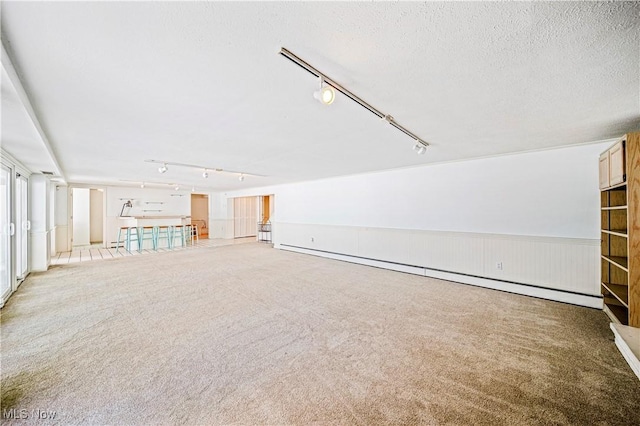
column 6, row 231
column 245, row 211
column 23, row 226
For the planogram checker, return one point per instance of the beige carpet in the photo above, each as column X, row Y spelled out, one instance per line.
column 251, row 335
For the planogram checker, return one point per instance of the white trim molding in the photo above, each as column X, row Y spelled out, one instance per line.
column 628, row 342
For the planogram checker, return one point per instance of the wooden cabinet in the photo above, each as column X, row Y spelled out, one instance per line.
column 612, row 165
column 620, row 230
column 617, row 172
column 604, row 170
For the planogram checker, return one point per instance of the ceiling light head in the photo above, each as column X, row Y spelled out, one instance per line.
column 420, row 147
column 193, row 189
column 241, row 177
column 177, row 187
column 326, row 94
column 142, row 185
column 205, row 174
column 163, row 168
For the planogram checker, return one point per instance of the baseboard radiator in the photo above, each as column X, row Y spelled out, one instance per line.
column 561, row 269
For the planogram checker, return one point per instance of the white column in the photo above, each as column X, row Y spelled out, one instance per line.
column 52, row 220
column 81, row 216
column 61, row 219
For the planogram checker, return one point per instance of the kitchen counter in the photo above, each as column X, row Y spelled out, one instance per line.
column 153, row 220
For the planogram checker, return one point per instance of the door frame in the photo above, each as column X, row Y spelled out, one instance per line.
column 11, row 275
column 102, row 189
column 19, row 227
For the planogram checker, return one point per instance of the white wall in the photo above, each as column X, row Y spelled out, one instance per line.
column 535, row 213
column 547, row 193
column 81, row 216
column 220, row 216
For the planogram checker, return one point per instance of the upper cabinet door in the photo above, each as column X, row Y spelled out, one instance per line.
column 616, row 164
column 604, row 170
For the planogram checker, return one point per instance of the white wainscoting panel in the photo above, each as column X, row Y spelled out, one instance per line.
column 221, row 228
column 514, row 263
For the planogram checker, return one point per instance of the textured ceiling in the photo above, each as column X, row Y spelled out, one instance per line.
column 114, row 84
column 18, row 134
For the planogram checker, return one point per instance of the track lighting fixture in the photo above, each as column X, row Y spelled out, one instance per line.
column 326, row 94
column 329, row 83
column 241, row 177
column 145, row 184
column 205, row 173
column 420, row 147
column 193, row 189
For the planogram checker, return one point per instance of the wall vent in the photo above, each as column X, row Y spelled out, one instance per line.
column 47, row 173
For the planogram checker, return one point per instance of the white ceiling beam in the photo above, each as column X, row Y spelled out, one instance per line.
column 7, row 65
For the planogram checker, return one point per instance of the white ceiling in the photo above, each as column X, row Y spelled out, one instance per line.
column 19, row 135
column 114, row 84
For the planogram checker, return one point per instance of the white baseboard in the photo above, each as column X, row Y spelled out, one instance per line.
column 626, row 338
column 526, row 290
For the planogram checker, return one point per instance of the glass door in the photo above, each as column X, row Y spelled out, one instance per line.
column 22, row 233
column 6, row 231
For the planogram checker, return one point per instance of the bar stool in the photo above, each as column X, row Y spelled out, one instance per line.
column 130, row 234
column 194, row 234
column 187, row 233
column 147, row 233
column 178, row 231
column 119, row 239
column 164, row 232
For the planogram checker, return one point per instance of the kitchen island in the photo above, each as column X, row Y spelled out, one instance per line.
column 137, row 221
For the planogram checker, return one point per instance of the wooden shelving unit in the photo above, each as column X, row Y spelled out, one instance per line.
column 620, row 229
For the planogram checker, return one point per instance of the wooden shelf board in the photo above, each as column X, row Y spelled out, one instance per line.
column 621, row 292
column 618, row 314
column 609, row 300
column 615, row 208
column 618, row 232
column 620, row 262
column 618, row 186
